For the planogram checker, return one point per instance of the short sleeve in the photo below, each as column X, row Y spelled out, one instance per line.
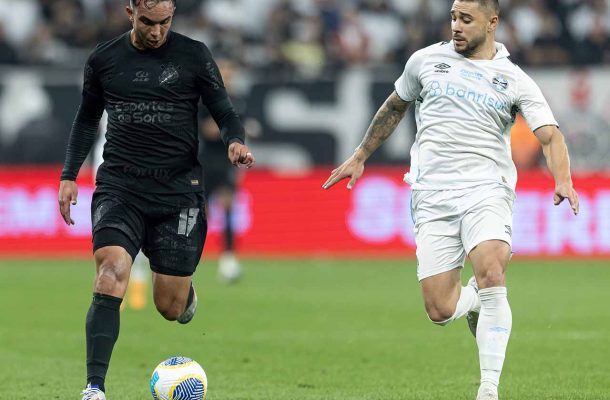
column 408, row 85
column 533, row 105
column 209, row 79
column 92, row 86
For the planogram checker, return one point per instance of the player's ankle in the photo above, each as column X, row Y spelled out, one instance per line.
column 98, row 383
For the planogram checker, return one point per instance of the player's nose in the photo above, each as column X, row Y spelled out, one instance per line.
column 156, row 30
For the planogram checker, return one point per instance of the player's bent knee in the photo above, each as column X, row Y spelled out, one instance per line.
column 493, row 277
column 170, row 310
column 439, row 316
column 111, row 278
column 168, row 313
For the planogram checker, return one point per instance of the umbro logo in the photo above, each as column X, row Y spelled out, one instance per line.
column 442, row 68
column 508, row 230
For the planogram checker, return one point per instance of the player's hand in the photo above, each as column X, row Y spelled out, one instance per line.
column 68, row 192
column 352, row 168
column 566, row 191
column 239, row 155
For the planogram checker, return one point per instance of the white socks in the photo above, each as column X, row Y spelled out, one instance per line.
column 468, row 301
column 493, row 330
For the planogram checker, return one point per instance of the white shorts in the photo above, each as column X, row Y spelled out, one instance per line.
column 450, row 223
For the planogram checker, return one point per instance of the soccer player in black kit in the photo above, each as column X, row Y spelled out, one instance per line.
column 148, row 189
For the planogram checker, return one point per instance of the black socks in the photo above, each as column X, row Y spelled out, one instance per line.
column 102, row 332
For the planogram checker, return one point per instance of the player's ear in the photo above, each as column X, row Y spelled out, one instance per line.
column 129, row 13
column 493, row 23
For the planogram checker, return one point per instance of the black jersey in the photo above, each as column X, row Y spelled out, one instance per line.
column 151, row 97
column 213, row 155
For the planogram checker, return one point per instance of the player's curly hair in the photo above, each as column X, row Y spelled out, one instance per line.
column 491, row 5
column 148, row 3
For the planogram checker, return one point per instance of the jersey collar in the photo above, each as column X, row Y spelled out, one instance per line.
column 501, row 51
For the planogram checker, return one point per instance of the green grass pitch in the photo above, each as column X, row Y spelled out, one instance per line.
column 311, row 329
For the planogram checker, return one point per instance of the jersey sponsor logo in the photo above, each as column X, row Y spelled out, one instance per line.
column 169, row 75
column 435, row 89
column 141, row 76
column 142, row 172
column 500, row 83
column 442, row 68
column 147, row 112
column 472, row 75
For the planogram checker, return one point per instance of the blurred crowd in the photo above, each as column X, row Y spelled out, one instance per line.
column 308, row 36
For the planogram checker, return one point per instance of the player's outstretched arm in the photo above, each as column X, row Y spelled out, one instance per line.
column 383, row 125
column 82, row 137
column 558, row 161
column 239, row 155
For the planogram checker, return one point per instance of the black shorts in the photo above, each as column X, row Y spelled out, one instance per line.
column 171, row 236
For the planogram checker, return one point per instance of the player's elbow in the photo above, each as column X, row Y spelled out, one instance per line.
column 548, row 135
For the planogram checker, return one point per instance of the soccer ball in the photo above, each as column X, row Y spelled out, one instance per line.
column 178, row 378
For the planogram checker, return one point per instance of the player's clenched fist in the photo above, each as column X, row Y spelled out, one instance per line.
column 239, row 155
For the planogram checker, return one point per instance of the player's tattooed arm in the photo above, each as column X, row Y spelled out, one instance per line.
column 384, row 123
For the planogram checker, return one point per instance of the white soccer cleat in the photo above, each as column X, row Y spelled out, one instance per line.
column 93, row 393
column 189, row 313
column 473, row 316
column 487, row 392
column 229, row 269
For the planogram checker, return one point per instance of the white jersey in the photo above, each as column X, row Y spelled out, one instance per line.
column 464, row 112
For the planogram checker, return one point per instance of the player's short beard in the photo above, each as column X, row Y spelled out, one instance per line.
column 472, row 46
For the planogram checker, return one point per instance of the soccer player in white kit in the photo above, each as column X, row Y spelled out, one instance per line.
column 467, row 93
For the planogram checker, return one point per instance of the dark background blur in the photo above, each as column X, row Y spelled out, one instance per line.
column 307, row 75
column 307, row 37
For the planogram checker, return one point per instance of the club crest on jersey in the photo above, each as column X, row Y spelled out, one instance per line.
column 169, row 75
column 500, row 83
